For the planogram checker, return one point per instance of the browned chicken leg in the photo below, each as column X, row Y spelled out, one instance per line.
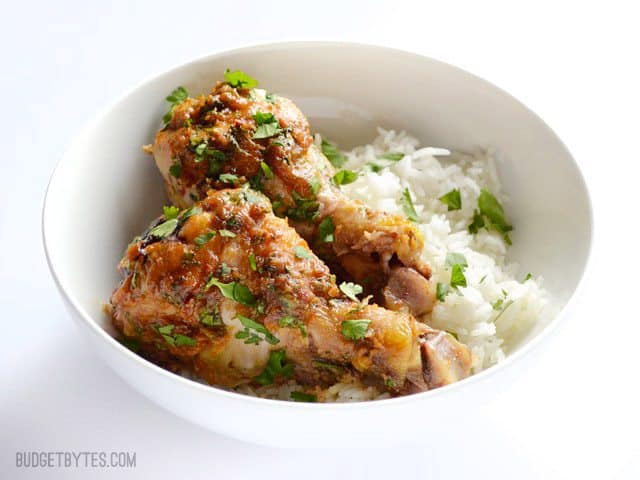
column 236, row 135
column 230, row 292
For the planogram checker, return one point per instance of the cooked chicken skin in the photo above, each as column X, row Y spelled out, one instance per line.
column 235, row 135
column 231, row 293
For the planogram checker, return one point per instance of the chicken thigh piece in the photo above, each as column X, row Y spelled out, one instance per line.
column 231, row 293
column 237, row 135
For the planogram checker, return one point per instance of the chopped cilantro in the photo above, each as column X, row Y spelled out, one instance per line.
column 351, row 290
column 204, row 238
column 302, row 252
column 490, row 214
column 457, row 276
column 407, row 206
column 345, row 177
column 326, row 230
column 452, row 200
column 239, row 79
column 266, row 170
column 176, row 97
column 355, row 329
column 234, row 291
column 289, row 321
column 442, row 290
column 267, row 126
column 394, row 156
column 164, row 229
column 210, row 318
column 303, row 397
column 277, row 366
column 176, row 169
column 228, row 178
column 528, row 277
column 252, row 262
column 226, row 233
column 251, row 332
column 456, row 259
column 184, row 341
column 335, row 156
column 170, row 212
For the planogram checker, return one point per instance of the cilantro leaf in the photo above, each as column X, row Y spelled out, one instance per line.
column 407, row 206
column 457, row 276
column 326, row 230
column 267, row 126
column 345, row 177
column 442, row 290
column 351, row 290
column 303, row 397
column 393, row 156
column 456, row 259
column 176, row 169
column 477, row 223
column 228, row 178
column 170, row 212
column 234, row 291
column 252, row 262
column 204, row 238
column 266, row 170
column 302, row 252
column 164, row 229
column 289, row 321
column 262, row 118
column 355, row 329
column 184, row 341
column 251, row 329
column 490, row 214
column 277, row 366
column 179, row 95
column 239, row 79
column 210, row 318
column 176, row 97
column 335, row 156
column 452, row 200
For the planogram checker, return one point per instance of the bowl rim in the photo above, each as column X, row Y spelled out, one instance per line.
column 491, row 372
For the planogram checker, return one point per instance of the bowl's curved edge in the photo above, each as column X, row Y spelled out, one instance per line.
column 491, row 372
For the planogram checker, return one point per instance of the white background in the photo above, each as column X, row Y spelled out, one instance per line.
column 574, row 415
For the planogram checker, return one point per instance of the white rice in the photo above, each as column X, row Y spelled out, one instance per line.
column 471, row 313
column 429, row 173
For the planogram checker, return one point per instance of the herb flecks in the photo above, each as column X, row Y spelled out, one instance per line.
column 239, row 79
column 326, row 230
column 254, row 332
column 176, row 97
column 355, row 329
column 278, row 365
column 335, row 156
column 303, row 397
column 351, row 290
column 407, row 206
column 490, row 214
column 452, row 200
column 344, row 177
column 266, row 126
column 289, row 321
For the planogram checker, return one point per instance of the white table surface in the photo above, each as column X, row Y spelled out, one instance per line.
column 574, row 415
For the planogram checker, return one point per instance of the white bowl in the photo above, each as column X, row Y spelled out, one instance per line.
column 105, row 190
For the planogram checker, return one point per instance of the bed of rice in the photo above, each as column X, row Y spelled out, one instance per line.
column 497, row 308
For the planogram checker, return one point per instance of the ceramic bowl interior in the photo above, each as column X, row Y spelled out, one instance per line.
column 106, row 190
